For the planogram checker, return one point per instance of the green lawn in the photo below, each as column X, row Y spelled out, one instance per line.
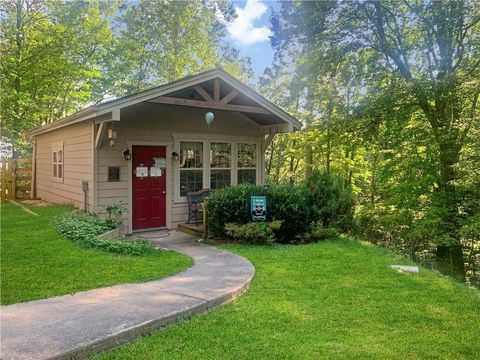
column 37, row 262
column 331, row 300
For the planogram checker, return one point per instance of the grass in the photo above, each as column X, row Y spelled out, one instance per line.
column 332, row 300
column 37, row 262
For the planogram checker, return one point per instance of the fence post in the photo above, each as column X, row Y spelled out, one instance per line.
column 3, row 195
column 11, row 179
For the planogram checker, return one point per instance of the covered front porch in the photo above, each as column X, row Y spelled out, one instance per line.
column 202, row 132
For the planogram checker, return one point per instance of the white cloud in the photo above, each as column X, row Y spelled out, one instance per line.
column 242, row 30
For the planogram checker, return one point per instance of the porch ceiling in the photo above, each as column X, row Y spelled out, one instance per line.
column 216, row 94
column 213, row 89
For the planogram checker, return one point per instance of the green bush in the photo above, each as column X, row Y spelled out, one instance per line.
column 114, row 211
column 318, row 233
column 262, row 233
column 292, row 205
column 83, row 229
column 230, row 205
column 333, row 203
column 322, row 199
column 287, row 203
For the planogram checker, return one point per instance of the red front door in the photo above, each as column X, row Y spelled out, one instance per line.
column 148, row 187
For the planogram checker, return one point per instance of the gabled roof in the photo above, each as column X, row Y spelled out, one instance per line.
column 102, row 109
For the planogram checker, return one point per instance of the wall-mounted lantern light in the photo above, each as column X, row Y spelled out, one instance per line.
column 174, row 156
column 209, row 116
column 126, row 154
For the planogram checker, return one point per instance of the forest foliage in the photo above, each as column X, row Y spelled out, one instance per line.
column 387, row 91
column 58, row 57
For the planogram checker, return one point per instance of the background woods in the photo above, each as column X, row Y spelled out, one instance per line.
column 388, row 92
column 58, row 57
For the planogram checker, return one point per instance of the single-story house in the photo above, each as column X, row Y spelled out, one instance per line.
column 149, row 149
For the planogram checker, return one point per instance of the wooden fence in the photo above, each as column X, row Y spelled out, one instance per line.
column 16, row 179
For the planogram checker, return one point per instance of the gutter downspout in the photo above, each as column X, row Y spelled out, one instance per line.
column 33, row 187
column 85, row 194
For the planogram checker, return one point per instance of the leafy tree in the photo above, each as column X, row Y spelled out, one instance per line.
column 58, row 57
column 50, row 56
column 412, row 64
column 161, row 41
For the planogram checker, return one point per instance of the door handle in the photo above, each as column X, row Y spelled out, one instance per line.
column 164, row 192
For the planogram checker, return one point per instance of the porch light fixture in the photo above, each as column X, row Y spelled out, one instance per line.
column 209, row 118
column 126, row 154
column 175, row 156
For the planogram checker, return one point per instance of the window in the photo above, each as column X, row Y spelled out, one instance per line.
column 191, row 167
column 213, row 161
column 246, row 169
column 113, row 173
column 57, row 163
column 220, row 164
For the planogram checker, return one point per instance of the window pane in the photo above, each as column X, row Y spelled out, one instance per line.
column 219, row 178
column 190, row 181
column 246, row 155
column 220, row 155
column 191, row 155
column 60, row 171
column 247, row 176
column 113, row 173
column 54, row 156
column 60, row 156
column 54, row 172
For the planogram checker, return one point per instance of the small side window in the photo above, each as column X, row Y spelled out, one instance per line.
column 54, row 164
column 57, row 162
column 113, row 174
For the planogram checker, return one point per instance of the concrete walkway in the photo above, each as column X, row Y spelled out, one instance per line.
column 91, row 321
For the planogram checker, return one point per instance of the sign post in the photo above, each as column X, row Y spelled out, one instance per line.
column 258, row 208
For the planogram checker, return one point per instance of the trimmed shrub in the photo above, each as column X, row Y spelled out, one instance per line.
column 230, row 205
column 287, row 203
column 333, row 202
column 322, row 199
column 262, row 233
column 292, row 205
column 83, row 229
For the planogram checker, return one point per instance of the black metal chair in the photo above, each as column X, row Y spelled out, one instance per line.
column 196, row 204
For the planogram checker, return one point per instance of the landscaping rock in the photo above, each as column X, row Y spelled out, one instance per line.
column 405, row 268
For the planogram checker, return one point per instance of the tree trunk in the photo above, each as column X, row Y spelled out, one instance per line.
column 443, row 117
column 328, row 151
column 450, row 258
column 19, row 36
column 308, row 146
column 291, row 168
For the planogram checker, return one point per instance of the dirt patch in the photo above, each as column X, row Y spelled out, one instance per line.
column 39, row 203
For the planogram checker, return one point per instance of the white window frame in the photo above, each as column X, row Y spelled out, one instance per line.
column 257, row 163
column 202, row 169
column 232, row 146
column 207, row 139
column 56, row 148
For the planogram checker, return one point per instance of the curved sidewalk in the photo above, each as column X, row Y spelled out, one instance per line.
column 91, row 321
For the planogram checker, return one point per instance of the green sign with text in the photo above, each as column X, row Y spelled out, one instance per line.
column 258, row 208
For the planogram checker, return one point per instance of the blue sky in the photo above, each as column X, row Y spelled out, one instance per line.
column 250, row 32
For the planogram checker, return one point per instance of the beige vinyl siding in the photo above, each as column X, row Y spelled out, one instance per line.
column 77, row 165
column 153, row 124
